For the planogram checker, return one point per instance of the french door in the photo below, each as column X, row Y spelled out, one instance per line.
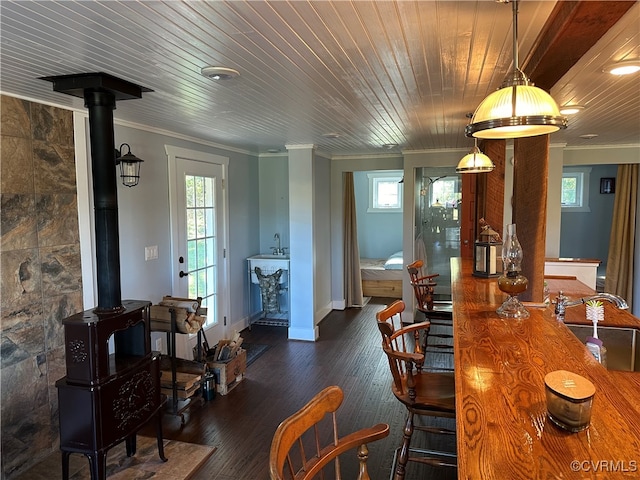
column 198, row 226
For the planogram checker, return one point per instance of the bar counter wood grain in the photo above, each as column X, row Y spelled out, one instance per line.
column 503, row 431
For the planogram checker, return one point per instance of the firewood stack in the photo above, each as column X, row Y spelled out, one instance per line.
column 225, row 350
column 190, row 316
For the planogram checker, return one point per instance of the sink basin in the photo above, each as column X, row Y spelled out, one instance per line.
column 268, row 263
column 623, row 348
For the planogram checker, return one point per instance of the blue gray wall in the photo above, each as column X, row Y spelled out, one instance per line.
column 144, row 219
column 586, row 234
column 274, row 201
column 379, row 234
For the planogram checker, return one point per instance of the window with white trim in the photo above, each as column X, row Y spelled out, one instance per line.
column 385, row 191
column 575, row 189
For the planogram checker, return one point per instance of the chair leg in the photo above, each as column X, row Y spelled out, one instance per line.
column 403, row 454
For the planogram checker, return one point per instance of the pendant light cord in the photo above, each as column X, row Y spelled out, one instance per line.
column 516, row 64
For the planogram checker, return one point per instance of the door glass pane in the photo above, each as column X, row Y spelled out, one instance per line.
column 201, row 254
column 202, row 283
column 438, row 203
column 210, row 224
column 211, row 280
column 210, row 248
column 201, row 241
column 200, row 223
column 209, row 192
column 191, row 223
column 199, row 192
column 190, row 191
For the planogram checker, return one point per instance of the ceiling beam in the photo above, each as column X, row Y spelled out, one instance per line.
column 571, row 30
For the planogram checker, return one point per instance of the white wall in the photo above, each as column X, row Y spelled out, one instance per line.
column 600, row 155
column 301, row 225
column 322, row 237
column 554, row 193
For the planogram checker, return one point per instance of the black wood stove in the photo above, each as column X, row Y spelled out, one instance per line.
column 106, row 397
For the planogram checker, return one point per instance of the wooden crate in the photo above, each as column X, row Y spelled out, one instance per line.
column 230, row 373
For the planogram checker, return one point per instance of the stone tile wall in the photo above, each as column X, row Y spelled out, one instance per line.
column 40, row 274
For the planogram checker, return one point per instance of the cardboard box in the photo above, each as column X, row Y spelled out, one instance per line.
column 230, row 373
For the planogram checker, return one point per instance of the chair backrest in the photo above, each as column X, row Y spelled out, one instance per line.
column 401, row 344
column 415, row 269
column 423, row 286
column 302, row 432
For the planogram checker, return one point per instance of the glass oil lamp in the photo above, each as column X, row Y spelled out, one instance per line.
column 512, row 282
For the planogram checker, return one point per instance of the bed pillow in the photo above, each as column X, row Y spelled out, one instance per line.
column 394, row 262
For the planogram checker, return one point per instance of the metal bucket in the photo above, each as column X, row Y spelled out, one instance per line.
column 209, row 387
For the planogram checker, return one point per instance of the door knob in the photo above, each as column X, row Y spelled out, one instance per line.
column 183, row 274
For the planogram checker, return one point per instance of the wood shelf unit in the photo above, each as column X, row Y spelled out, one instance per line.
column 183, row 388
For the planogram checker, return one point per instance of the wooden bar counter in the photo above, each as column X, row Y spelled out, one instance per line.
column 503, row 431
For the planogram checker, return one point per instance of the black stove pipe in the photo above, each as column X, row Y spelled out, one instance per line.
column 101, row 104
column 100, row 92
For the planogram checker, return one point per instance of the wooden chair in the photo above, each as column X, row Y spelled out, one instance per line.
column 438, row 313
column 303, row 430
column 423, row 393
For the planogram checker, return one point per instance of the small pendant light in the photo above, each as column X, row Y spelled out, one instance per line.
column 475, row 161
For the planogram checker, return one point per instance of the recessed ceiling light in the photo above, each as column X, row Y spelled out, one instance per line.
column 219, row 73
column 571, row 109
column 389, row 146
column 589, row 136
column 273, row 150
column 331, row 135
column 626, row 67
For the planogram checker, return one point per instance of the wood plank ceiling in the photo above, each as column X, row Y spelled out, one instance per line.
column 370, row 72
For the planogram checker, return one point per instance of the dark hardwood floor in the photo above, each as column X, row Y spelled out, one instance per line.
column 241, row 424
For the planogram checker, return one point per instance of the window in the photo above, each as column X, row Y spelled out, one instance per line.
column 444, row 191
column 575, row 190
column 385, row 192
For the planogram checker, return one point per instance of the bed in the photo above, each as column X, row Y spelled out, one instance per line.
column 382, row 277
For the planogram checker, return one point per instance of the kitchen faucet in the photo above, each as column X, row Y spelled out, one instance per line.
column 278, row 250
column 562, row 302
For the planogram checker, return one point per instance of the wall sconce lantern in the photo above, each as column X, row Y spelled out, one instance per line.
column 129, row 166
column 487, row 254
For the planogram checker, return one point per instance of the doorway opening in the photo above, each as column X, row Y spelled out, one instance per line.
column 437, row 222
